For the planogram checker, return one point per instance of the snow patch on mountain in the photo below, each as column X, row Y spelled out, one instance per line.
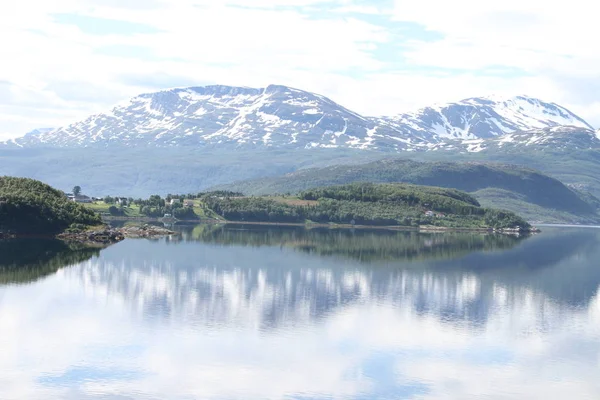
column 547, row 139
column 282, row 117
column 484, row 117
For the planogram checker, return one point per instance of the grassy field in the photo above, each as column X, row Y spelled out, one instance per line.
column 99, row 207
column 134, row 211
column 102, row 208
column 293, row 201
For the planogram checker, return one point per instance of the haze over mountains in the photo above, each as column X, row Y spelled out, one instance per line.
column 191, row 139
column 223, row 117
column 532, row 194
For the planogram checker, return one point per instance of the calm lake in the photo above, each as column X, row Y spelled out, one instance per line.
column 249, row 312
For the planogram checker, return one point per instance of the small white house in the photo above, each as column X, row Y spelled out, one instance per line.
column 188, row 203
column 175, row 201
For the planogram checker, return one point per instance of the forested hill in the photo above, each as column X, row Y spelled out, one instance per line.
column 369, row 204
column 525, row 191
column 32, row 207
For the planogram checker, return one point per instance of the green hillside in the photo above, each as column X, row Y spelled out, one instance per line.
column 140, row 172
column 525, row 191
column 32, row 207
column 575, row 167
column 368, row 204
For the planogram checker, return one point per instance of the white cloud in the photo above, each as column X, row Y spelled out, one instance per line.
column 196, row 42
column 318, row 45
column 167, row 332
column 548, row 41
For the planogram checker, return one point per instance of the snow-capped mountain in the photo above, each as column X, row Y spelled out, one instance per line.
column 557, row 138
column 276, row 116
column 482, row 118
column 282, row 117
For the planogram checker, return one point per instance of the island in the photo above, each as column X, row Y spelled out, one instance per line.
column 390, row 205
column 370, row 204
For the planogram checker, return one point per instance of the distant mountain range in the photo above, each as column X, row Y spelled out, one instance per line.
column 223, row 117
column 191, row 139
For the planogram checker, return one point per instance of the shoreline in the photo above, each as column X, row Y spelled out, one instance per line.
column 569, row 226
column 218, row 221
column 422, row 228
column 111, row 235
column 100, row 236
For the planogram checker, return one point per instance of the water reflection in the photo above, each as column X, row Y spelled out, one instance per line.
column 360, row 244
column 230, row 313
column 278, row 285
column 26, row 260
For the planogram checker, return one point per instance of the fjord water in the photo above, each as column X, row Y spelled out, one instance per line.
column 248, row 312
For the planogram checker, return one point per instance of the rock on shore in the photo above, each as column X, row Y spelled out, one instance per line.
column 146, row 231
column 111, row 235
column 104, row 236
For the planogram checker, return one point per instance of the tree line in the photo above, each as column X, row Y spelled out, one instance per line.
column 30, row 206
column 156, row 206
column 369, row 204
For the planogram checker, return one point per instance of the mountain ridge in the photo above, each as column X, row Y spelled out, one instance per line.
column 277, row 116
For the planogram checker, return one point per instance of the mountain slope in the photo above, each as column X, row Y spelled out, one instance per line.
column 224, row 117
column 552, row 139
column 571, row 155
column 485, row 117
column 521, row 190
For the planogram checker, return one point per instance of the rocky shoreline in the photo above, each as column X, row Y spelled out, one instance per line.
column 146, row 231
column 108, row 235
column 504, row 231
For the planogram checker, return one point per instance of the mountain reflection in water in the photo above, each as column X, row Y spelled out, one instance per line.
column 255, row 312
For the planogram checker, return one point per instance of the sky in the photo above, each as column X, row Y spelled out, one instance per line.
column 63, row 60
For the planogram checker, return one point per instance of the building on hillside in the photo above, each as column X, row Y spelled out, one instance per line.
column 188, row 203
column 429, row 214
column 175, row 201
column 122, row 201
